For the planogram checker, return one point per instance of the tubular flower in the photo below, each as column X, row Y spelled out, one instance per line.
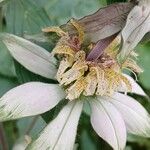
column 80, row 76
column 87, row 73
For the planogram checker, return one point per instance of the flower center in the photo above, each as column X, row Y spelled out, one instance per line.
column 79, row 76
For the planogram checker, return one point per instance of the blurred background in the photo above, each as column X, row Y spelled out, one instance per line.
column 26, row 18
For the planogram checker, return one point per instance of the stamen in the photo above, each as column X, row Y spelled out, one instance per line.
column 77, row 71
column 64, row 49
column 102, row 82
column 58, row 30
column 81, row 75
column 76, row 89
column 64, row 65
column 79, row 29
column 131, row 64
column 91, row 80
column 127, row 83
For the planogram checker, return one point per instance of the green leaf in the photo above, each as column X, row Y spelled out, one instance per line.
column 86, row 141
column 25, row 75
column 75, row 9
column 114, row 1
column 11, row 132
column 30, row 125
column 6, row 84
column 2, row 2
column 7, row 66
column 25, row 17
column 86, row 108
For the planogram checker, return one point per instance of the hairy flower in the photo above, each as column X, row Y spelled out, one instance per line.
column 88, row 73
column 80, row 76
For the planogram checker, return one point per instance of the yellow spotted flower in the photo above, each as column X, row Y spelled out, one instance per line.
column 86, row 73
column 80, row 76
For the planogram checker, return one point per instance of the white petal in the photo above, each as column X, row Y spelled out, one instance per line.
column 29, row 99
column 138, row 24
column 30, row 55
column 61, row 132
column 136, row 118
column 108, row 123
column 135, row 87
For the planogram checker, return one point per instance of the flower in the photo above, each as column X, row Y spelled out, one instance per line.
column 79, row 75
column 83, row 78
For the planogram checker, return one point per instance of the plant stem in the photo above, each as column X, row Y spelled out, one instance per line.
column 3, row 140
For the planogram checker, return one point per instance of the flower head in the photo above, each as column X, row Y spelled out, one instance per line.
column 81, row 76
column 87, row 72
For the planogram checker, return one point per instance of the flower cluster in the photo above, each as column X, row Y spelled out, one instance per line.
column 101, row 76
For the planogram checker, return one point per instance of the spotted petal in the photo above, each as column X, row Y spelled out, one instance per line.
column 30, row 55
column 29, row 99
column 136, row 118
column 108, row 123
column 61, row 132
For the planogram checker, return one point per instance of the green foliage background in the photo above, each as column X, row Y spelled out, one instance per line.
column 26, row 18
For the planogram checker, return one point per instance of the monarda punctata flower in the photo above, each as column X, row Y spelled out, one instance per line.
column 80, row 74
column 86, row 72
